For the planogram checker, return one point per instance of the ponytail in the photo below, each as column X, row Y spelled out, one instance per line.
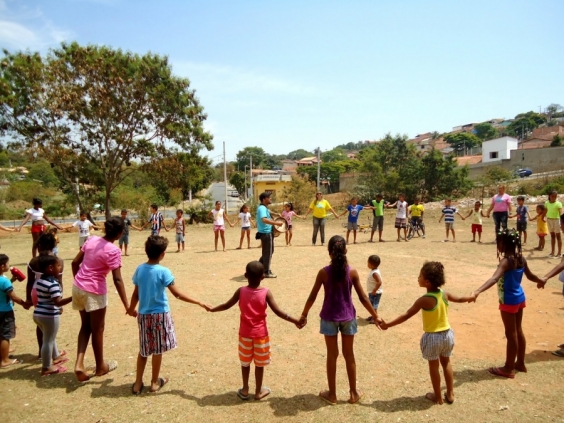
column 114, row 227
column 338, row 251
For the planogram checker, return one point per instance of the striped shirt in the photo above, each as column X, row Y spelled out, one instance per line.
column 47, row 288
column 449, row 212
column 156, row 220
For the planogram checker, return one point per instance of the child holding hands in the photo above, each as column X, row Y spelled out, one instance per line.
column 437, row 342
column 254, row 342
column 156, row 328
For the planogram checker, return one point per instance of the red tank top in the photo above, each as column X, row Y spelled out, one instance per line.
column 252, row 303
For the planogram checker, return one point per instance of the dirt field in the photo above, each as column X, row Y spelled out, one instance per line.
column 204, row 371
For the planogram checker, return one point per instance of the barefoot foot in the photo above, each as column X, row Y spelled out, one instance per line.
column 431, row 397
column 264, row 392
column 328, row 398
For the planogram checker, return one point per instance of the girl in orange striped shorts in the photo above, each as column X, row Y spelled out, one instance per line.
column 254, row 342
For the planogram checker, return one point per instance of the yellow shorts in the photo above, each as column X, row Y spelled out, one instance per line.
column 257, row 349
column 87, row 301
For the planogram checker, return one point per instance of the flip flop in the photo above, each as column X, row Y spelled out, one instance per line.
column 561, row 346
column 61, row 361
column 360, row 395
column 241, row 395
column 559, row 353
column 60, row 369
column 162, row 382
column 14, row 362
column 139, row 392
column 496, row 371
column 327, row 400
column 268, row 391
column 112, row 365
column 447, row 400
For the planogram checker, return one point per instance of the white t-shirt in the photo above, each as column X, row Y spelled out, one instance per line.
column 218, row 217
column 371, row 282
column 245, row 220
column 83, row 227
column 36, row 214
column 402, row 210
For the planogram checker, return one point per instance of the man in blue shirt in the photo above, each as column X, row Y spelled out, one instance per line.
column 264, row 227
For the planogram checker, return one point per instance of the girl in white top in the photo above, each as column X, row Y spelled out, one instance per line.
column 374, row 284
column 38, row 218
column 287, row 214
column 219, row 217
column 246, row 222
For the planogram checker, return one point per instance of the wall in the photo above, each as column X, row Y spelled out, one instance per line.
column 270, row 183
column 538, row 160
column 502, row 146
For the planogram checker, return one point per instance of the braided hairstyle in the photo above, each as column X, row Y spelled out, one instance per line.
column 46, row 242
column 114, row 227
column 338, row 251
column 509, row 245
column 434, row 272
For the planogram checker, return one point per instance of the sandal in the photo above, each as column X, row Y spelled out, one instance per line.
column 60, row 369
column 139, row 392
column 496, row 371
column 13, row 363
column 241, row 395
column 162, row 382
column 559, row 353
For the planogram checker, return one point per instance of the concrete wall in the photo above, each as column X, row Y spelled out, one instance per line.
column 538, row 160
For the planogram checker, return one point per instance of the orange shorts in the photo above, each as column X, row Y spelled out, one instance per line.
column 512, row 308
column 257, row 349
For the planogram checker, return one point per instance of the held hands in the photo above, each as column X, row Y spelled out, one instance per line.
column 131, row 312
column 27, row 305
column 382, row 324
column 205, row 306
column 302, row 322
column 540, row 285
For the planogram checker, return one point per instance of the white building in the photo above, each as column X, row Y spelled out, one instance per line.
column 498, row 149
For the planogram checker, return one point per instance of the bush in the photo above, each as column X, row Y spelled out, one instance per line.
column 300, row 193
column 26, row 190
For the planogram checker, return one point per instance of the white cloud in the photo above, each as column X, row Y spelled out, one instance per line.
column 14, row 35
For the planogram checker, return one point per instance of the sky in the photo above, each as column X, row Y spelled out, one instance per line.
column 305, row 74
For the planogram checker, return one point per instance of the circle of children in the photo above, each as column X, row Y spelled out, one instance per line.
column 98, row 256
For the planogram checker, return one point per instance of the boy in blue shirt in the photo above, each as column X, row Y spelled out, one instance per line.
column 353, row 209
column 523, row 215
column 156, row 328
column 7, row 318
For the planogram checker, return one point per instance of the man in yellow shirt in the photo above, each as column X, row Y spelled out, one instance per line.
column 417, row 211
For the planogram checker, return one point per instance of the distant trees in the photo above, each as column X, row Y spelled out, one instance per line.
column 524, row 123
column 299, row 154
column 261, row 159
column 485, row 131
column 461, row 142
column 557, row 141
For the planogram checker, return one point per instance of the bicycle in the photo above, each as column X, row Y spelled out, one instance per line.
column 414, row 229
column 361, row 228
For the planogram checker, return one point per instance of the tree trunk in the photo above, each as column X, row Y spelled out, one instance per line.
column 107, row 203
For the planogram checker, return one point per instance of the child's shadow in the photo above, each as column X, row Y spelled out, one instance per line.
column 292, row 406
column 418, row 403
column 241, row 278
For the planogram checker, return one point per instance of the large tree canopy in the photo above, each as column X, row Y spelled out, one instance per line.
column 461, row 142
column 93, row 110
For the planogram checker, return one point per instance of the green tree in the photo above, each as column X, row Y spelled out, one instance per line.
column 238, row 180
column 524, row 123
column 300, row 192
column 461, row 142
column 93, row 110
column 335, row 155
column 485, row 131
column 442, row 176
column 299, row 154
column 42, row 171
column 496, row 174
column 243, row 157
column 557, row 141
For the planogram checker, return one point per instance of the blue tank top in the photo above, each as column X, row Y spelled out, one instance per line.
column 509, row 287
column 337, row 304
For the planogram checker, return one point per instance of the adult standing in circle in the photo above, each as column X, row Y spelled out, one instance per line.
column 501, row 206
column 319, row 207
column 38, row 219
column 264, row 233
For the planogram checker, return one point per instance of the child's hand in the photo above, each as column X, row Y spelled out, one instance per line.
column 474, row 296
column 132, row 313
column 27, row 305
column 206, row 306
column 302, row 322
column 541, row 285
column 383, row 325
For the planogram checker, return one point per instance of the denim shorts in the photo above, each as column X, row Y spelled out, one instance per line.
column 179, row 238
column 333, row 328
column 374, row 300
column 124, row 240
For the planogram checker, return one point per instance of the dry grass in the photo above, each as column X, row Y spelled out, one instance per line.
column 205, row 374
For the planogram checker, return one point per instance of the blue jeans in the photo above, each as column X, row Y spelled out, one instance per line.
column 333, row 328
column 374, row 300
column 318, row 225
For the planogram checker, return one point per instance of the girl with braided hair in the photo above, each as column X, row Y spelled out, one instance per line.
column 338, row 315
column 437, row 342
column 508, row 276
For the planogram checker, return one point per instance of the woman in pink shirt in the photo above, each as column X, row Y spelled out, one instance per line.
column 501, row 206
column 97, row 257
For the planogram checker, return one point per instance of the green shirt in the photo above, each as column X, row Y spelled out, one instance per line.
column 379, row 211
column 553, row 209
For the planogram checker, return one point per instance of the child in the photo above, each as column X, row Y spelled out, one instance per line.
column 542, row 226
column 254, row 342
column 522, row 213
column 97, row 258
column 156, row 220
column 477, row 213
column 338, row 315
column 7, row 318
column 246, row 222
column 47, row 313
column 448, row 214
column 378, row 212
column 287, row 214
column 124, row 240
column 508, row 276
column 156, row 328
column 219, row 216
column 401, row 216
column 437, row 342
column 353, row 209
column 180, row 226
column 417, row 211
column 83, row 228
column 553, row 212
column 374, row 284
column 53, row 231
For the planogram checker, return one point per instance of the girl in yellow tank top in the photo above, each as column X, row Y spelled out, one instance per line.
column 437, row 342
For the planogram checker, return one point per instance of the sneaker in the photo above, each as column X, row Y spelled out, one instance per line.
column 270, row 275
column 424, row 237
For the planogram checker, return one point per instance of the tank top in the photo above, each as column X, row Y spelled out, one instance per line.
column 509, row 287
column 477, row 216
column 252, row 303
column 436, row 319
column 178, row 225
column 337, row 304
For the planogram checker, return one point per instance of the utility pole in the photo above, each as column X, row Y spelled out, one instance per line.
column 225, row 179
column 251, row 174
column 318, row 166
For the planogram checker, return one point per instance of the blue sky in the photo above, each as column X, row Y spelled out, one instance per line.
column 301, row 74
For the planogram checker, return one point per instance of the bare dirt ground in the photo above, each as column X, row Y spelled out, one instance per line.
column 204, row 371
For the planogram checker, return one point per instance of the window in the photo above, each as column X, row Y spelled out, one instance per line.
column 494, row 155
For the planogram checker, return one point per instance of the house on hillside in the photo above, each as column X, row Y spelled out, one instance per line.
column 308, row 161
column 289, row 166
column 498, row 149
column 542, row 137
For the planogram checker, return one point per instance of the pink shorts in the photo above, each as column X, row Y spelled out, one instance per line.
column 512, row 308
column 218, row 228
